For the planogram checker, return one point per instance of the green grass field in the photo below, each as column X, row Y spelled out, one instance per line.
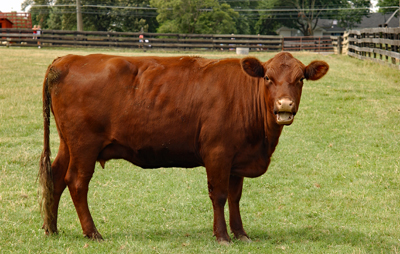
column 333, row 185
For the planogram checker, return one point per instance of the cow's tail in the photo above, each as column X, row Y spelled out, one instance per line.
column 46, row 199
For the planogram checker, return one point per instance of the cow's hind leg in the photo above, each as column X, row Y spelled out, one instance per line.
column 235, row 220
column 59, row 169
column 79, row 174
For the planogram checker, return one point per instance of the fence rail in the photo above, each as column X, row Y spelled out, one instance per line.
column 380, row 45
column 307, row 43
column 61, row 38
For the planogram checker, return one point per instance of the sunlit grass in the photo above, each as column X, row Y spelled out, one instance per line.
column 332, row 187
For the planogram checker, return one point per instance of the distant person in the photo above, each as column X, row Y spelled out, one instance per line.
column 141, row 40
column 38, row 32
column 34, row 31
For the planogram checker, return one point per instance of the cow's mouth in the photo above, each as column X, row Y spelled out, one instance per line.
column 284, row 118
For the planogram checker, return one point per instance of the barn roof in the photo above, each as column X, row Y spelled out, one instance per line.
column 6, row 20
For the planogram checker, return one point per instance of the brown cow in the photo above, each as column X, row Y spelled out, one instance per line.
column 226, row 115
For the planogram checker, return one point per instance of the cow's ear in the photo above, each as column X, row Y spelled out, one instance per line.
column 316, row 70
column 253, row 67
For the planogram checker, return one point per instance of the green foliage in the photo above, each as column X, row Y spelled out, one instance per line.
column 195, row 16
column 269, row 22
column 218, row 21
column 41, row 14
column 245, row 22
column 332, row 186
column 63, row 17
column 135, row 20
column 349, row 18
column 388, row 3
column 200, row 16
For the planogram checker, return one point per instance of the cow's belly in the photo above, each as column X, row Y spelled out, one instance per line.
column 150, row 156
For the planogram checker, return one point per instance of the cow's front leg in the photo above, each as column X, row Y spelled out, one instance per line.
column 235, row 220
column 218, row 186
column 218, row 197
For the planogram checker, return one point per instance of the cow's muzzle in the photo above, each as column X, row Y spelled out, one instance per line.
column 284, row 111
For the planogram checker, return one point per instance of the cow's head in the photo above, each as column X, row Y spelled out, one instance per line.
column 283, row 78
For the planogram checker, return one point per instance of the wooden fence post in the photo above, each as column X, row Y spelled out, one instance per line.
column 319, row 44
column 392, row 48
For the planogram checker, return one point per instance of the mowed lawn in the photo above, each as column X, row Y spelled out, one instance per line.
column 333, row 185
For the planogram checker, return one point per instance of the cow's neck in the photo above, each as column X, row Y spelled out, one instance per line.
column 272, row 133
column 272, row 130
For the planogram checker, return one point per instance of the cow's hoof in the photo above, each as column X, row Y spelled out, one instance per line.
column 47, row 233
column 245, row 239
column 50, row 231
column 95, row 236
column 224, row 243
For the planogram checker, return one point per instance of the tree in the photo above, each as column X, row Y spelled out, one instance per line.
column 270, row 21
column 195, row 16
column 245, row 22
column 63, row 17
column 61, row 14
column 304, row 14
column 39, row 14
column 389, row 3
column 218, row 21
column 138, row 19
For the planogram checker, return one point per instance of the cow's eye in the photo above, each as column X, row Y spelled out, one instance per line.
column 266, row 78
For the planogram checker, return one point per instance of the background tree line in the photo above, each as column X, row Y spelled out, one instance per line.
column 196, row 16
